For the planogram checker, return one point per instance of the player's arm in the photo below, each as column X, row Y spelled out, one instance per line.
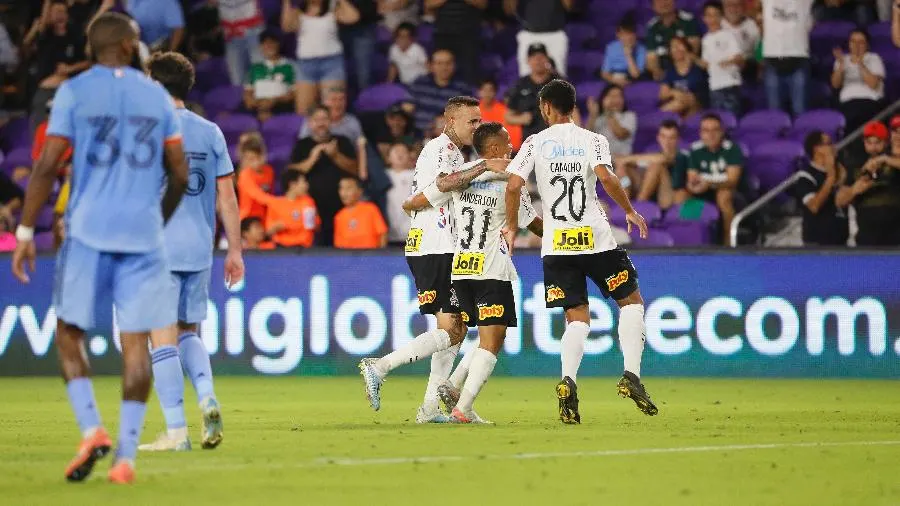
column 229, row 213
column 513, row 193
column 416, row 202
column 177, row 176
column 461, row 179
column 613, row 188
column 42, row 178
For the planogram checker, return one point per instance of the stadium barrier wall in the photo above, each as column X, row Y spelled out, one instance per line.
column 748, row 314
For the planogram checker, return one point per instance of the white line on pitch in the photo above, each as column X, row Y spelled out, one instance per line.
column 383, row 461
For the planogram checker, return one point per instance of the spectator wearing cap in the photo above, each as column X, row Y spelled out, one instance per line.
column 625, row 58
column 59, row 51
column 397, row 128
column 161, row 22
column 874, row 188
column 242, row 27
column 269, row 87
column 522, row 99
column 544, row 22
column 669, row 22
column 824, row 222
column 457, row 28
column 785, row 51
column 431, row 92
column 859, row 75
column 408, row 59
column 495, row 110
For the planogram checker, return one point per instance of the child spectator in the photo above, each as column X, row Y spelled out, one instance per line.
column 408, row 58
column 291, row 220
column 397, row 127
column 401, row 173
column 625, row 58
column 270, row 84
column 359, row 225
column 253, row 171
column 723, row 57
column 495, row 110
column 253, row 235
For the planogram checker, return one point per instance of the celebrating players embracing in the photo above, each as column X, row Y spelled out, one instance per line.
column 126, row 138
column 189, row 237
column 568, row 161
column 429, row 253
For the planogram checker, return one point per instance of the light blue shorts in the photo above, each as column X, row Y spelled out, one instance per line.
column 134, row 283
column 191, row 289
column 316, row 70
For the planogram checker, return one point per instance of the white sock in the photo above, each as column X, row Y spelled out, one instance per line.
column 483, row 363
column 422, row 346
column 572, row 343
column 632, row 335
column 441, row 364
column 462, row 370
column 177, row 434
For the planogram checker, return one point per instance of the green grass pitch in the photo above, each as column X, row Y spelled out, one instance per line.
column 315, row 441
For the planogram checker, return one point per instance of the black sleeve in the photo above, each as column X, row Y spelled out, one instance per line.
column 8, row 189
column 512, row 99
column 346, row 147
column 301, row 150
column 804, row 186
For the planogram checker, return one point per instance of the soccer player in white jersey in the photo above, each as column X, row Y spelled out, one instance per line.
column 429, row 253
column 568, row 161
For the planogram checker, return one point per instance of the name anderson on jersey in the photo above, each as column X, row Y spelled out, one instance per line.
column 478, row 199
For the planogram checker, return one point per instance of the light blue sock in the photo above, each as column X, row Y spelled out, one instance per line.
column 131, row 421
column 169, row 383
column 195, row 360
column 81, row 397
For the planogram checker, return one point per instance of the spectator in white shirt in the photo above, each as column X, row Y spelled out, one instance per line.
column 785, row 45
column 859, row 75
column 722, row 59
column 408, row 58
column 401, row 173
column 745, row 29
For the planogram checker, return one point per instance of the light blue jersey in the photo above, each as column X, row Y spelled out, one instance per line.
column 189, row 234
column 117, row 120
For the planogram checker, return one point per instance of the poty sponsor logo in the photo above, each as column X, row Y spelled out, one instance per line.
column 555, row 293
column 616, row 281
column 485, row 312
column 465, row 316
column 427, row 297
column 552, row 149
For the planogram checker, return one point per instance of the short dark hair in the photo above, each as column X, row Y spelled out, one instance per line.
column 813, row 140
column 711, row 115
column 248, row 222
column 291, row 176
column 253, row 143
column 269, row 34
column 109, row 29
column 483, row 135
column 628, row 23
column 174, row 71
column 862, row 32
column 560, row 94
column 461, row 101
column 355, row 180
column 318, row 107
column 406, row 25
column 488, row 80
column 606, row 91
column 714, row 4
column 670, row 124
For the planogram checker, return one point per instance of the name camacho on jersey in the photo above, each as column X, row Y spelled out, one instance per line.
column 117, row 121
column 480, row 213
column 563, row 158
column 189, row 234
column 431, row 229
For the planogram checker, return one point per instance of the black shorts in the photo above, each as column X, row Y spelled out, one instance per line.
column 564, row 277
column 432, row 276
column 486, row 302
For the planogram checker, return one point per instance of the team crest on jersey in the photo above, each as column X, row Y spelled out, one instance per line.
column 616, row 281
column 451, row 146
column 555, row 293
column 427, row 297
column 295, row 214
column 353, row 224
column 494, row 311
column 442, row 219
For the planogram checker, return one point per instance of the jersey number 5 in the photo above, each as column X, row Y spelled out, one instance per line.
column 106, row 149
column 568, row 189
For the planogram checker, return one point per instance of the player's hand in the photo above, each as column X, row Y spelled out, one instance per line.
column 234, row 268
column 634, row 218
column 509, row 235
column 25, row 251
column 497, row 164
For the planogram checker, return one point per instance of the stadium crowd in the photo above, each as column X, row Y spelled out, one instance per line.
column 325, row 104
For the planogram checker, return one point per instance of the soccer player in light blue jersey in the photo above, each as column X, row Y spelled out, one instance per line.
column 126, row 138
column 189, row 241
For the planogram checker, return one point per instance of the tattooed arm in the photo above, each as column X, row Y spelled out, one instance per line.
column 460, row 180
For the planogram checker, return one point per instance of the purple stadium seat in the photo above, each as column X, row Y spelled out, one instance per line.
column 880, row 31
column 490, row 64
column 280, row 156
column 642, row 96
column 15, row 134
column 43, row 241
column 581, row 35
column 649, row 210
column 773, row 162
column 18, row 157
column 233, row 125
column 383, row 37
column 282, row 127
column 582, row 65
column 829, row 121
column 729, row 122
column 425, row 35
column 271, row 10
column 827, row 35
column 753, row 138
column 775, row 122
column 211, row 73
column 380, row 97
column 657, row 238
column 222, row 99
column 648, row 125
column 691, row 233
column 44, row 219
column 590, row 89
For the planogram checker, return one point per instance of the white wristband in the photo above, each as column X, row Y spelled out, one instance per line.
column 24, row 234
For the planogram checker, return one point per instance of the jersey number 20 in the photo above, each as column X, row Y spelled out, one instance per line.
column 568, row 190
